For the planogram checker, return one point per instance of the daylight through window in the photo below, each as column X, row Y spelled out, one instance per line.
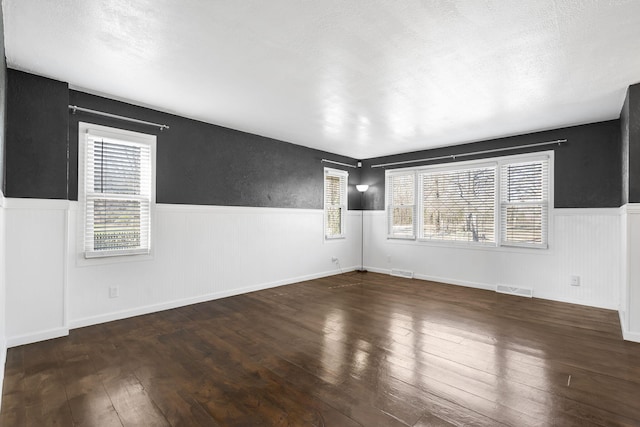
column 117, row 193
column 335, row 202
column 503, row 201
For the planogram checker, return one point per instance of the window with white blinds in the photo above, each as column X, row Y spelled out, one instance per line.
column 116, row 190
column 401, row 205
column 524, row 203
column 458, row 205
column 496, row 202
column 335, row 203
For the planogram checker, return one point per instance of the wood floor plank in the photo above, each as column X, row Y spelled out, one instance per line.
column 348, row 350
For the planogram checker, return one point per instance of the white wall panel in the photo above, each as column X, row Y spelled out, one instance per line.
column 630, row 316
column 584, row 242
column 3, row 342
column 202, row 253
column 35, row 262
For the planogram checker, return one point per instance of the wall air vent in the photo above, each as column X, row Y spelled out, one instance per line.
column 402, row 273
column 514, row 290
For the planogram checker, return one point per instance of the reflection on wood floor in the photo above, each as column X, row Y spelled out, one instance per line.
column 355, row 349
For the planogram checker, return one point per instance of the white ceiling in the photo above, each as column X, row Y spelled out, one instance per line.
column 362, row 78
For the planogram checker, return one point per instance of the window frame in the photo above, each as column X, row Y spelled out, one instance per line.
column 343, row 205
column 548, row 203
column 127, row 137
column 496, row 162
column 458, row 166
column 389, row 206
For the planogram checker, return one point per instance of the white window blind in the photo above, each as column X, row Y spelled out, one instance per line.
column 458, row 205
column 335, row 202
column 504, row 201
column 401, row 205
column 117, row 196
column 524, row 203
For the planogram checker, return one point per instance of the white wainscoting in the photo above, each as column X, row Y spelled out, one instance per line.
column 583, row 242
column 205, row 252
column 200, row 253
column 3, row 337
column 35, row 267
column 630, row 280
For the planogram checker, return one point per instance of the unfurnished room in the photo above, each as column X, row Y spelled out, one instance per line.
column 320, row 213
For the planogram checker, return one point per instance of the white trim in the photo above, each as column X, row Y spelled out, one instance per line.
column 447, row 281
column 628, row 335
column 344, row 202
column 3, row 284
column 378, row 270
column 118, row 315
column 497, row 164
column 86, row 135
column 630, row 208
column 231, row 210
column 36, row 337
column 489, row 287
column 613, row 306
column 3, row 361
column 35, row 204
column 586, row 211
column 65, row 269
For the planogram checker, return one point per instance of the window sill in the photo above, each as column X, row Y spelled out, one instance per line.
column 81, row 261
column 547, row 250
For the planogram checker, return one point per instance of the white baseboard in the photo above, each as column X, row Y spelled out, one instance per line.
column 37, row 336
column 444, row 280
column 464, row 283
column 378, row 270
column 139, row 311
column 568, row 301
column 627, row 335
column 3, row 361
column 489, row 287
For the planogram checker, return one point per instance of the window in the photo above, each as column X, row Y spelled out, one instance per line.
column 524, row 203
column 116, row 190
column 496, row 202
column 458, row 205
column 335, row 203
column 401, row 205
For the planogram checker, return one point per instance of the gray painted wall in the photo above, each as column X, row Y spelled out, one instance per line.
column 587, row 167
column 630, row 125
column 3, row 101
column 197, row 163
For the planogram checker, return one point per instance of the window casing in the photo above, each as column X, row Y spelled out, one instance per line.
column 335, row 203
column 116, row 190
column 493, row 202
column 401, row 205
column 458, row 205
column 524, row 203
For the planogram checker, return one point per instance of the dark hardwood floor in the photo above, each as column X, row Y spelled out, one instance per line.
column 348, row 350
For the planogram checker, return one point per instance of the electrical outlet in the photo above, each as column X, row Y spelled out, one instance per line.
column 114, row 292
column 575, row 281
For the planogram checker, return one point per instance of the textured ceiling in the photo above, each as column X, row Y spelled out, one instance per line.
column 354, row 77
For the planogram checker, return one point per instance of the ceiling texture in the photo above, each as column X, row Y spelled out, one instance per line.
column 362, row 78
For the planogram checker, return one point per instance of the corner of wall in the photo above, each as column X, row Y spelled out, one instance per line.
column 3, row 341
